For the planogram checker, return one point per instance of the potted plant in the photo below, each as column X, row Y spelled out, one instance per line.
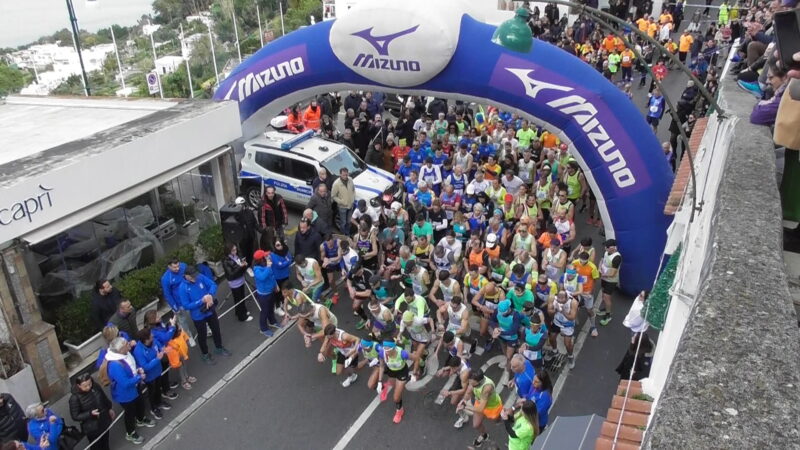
column 74, row 328
column 211, row 244
column 16, row 377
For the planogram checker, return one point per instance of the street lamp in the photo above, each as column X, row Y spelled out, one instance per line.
column 76, row 38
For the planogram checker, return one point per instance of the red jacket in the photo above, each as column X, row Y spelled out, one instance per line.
column 274, row 212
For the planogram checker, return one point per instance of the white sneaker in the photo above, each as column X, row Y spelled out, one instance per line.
column 209, row 333
column 571, row 360
column 279, row 311
column 350, row 380
column 462, row 419
column 192, row 342
column 249, row 318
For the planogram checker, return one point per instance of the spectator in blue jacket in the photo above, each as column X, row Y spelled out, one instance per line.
column 171, row 283
column 125, row 376
column 148, row 356
column 197, row 296
column 282, row 260
column 266, row 290
column 163, row 332
column 43, row 421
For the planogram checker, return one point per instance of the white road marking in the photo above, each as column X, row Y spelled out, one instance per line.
column 356, row 426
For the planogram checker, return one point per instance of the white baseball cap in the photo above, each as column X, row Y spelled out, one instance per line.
column 396, row 206
column 239, row 201
column 491, row 240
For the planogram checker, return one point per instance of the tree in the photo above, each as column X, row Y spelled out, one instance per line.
column 176, row 84
column 297, row 15
column 11, row 79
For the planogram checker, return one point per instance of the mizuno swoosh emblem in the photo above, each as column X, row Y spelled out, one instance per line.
column 381, row 43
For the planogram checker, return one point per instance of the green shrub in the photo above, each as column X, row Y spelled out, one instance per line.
column 176, row 210
column 72, row 320
column 210, row 240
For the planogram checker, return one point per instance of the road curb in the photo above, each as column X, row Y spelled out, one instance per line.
column 216, row 388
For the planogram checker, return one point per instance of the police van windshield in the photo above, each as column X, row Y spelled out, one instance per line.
column 344, row 158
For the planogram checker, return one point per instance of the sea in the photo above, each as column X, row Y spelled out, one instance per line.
column 24, row 21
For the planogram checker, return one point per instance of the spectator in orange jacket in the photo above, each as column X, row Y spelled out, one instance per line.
column 294, row 123
column 312, row 116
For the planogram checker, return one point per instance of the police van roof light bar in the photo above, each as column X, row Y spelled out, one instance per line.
column 304, row 136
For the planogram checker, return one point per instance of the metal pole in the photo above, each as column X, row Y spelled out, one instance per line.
column 213, row 54
column 77, row 41
column 260, row 31
column 280, row 8
column 186, row 60
column 236, row 33
column 119, row 63
column 155, row 65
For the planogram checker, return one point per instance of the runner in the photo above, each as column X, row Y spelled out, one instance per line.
column 509, row 321
column 366, row 244
column 485, row 302
column 418, row 329
column 609, row 278
column 381, row 322
column 346, row 347
column 554, row 260
column 448, row 286
column 417, row 304
column 482, row 399
column 454, row 318
column 520, row 295
column 369, row 351
column 360, row 290
column 330, row 257
column 563, row 310
column 419, row 277
column 588, row 271
column 310, row 276
column 461, row 368
column 312, row 320
column 394, row 363
column 442, row 260
column 534, row 339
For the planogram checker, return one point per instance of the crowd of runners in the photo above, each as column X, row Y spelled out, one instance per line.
column 483, row 234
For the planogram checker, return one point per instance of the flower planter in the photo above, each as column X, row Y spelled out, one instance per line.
column 86, row 348
column 22, row 385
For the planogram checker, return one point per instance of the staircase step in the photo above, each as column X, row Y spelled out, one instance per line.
column 604, row 443
column 626, row 432
column 634, row 405
column 634, row 390
column 634, row 384
column 628, row 418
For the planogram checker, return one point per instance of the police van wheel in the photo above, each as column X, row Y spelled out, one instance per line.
column 253, row 196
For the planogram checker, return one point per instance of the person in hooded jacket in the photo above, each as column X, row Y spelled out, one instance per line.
column 171, row 282
column 235, row 266
column 90, row 406
column 44, row 422
column 163, row 331
column 124, row 376
column 197, row 296
column 148, row 355
column 12, row 419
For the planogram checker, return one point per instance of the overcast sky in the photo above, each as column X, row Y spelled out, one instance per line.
column 24, row 21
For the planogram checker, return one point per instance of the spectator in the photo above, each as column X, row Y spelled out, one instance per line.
column 44, row 422
column 125, row 319
column 197, row 296
column 162, row 334
column 148, row 356
column 311, row 116
column 44, row 443
column 274, row 216
column 171, row 282
column 521, row 425
column 343, row 194
column 90, row 406
column 321, row 203
column 178, row 353
column 105, row 300
column 294, row 120
column 307, row 240
column 765, row 111
column 120, row 371
column 235, row 267
column 12, row 419
column 266, row 288
column 281, row 261
column 323, row 177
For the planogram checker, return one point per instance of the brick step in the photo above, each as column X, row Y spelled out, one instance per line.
column 604, row 443
column 629, row 392
column 632, row 404
column 626, row 432
column 624, row 384
column 633, row 419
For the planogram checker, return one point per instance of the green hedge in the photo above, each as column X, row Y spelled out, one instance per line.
column 140, row 286
column 210, row 240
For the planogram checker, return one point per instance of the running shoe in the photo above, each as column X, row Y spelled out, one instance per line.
column 333, row 366
column 398, row 415
column 249, row 318
column 350, row 380
column 174, row 385
column 462, row 419
column 268, row 333
column 208, row 359
column 384, row 392
column 480, row 440
column 165, row 406
column 571, row 359
column 605, row 320
column 279, row 312
column 751, row 87
column 593, row 331
column 328, row 304
column 170, row 395
column 155, row 412
column 134, row 437
column 146, row 422
column 223, row 351
column 209, row 333
column 192, row 342
column 361, row 324
column 335, row 299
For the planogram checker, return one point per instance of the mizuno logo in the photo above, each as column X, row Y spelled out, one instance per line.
column 381, row 43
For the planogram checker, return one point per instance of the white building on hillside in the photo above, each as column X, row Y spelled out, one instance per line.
column 168, row 64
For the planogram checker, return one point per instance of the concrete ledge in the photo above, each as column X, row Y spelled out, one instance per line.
column 735, row 377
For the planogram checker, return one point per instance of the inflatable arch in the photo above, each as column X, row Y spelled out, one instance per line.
column 437, row 48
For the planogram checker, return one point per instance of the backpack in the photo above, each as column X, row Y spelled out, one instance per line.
column 102, row 374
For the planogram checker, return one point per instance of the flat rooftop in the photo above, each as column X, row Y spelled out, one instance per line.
column 29, row 125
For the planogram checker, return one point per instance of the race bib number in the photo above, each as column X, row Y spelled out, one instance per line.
column 654, row 109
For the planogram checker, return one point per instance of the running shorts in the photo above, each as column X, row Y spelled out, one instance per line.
column 493, row 413
column 399, row 375
column 608, row 286
column 340, row 359
column 564, row 331
column 586, row 301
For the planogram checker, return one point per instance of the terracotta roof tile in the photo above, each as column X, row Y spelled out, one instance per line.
column 683, row 175
column 633, row 420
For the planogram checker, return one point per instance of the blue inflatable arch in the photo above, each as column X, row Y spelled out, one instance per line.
column 439, row 49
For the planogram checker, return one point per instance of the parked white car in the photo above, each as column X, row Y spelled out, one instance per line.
column 291, row 161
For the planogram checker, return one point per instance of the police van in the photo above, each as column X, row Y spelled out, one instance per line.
column 290, row 162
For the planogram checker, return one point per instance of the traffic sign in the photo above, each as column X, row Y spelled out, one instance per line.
column 153, row 82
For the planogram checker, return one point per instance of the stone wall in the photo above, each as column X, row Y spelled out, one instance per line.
column 735, row 379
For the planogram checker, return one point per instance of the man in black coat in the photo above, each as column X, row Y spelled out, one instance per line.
column 321, row 204
column 105, row 301
column 353, row 101
column 307, row 240
column 12, row 420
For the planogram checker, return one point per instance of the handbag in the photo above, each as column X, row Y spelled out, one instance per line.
column 69, row 437
column 787, row 120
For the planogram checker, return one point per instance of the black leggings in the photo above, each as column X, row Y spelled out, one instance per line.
column 134, row 410
column 267, row 304
column 212, row 322
column 154, row 389
column 241, row 307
